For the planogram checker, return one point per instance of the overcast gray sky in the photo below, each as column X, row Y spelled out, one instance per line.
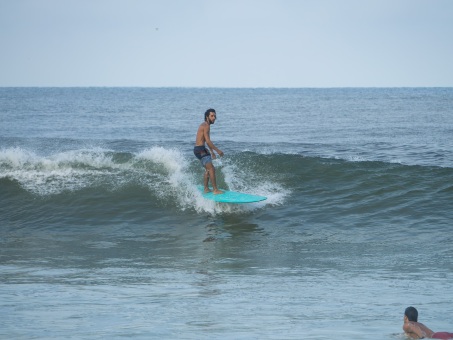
column 226, row 43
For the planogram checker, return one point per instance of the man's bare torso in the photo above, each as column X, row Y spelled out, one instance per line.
column 203, row 129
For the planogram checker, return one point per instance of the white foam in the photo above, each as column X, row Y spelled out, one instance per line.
column 178, row 181
column 53, row 174
column 15, row 157
column 183, row 184
column 164, row 171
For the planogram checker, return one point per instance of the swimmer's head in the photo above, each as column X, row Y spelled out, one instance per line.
column 411, row 313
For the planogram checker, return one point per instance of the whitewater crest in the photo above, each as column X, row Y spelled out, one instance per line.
column 166, row 173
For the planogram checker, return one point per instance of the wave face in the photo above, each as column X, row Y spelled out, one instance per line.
column 165, row 179
column 155, row 177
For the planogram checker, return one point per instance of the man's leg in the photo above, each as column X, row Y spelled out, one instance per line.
column 210, row 174
column 206, row 180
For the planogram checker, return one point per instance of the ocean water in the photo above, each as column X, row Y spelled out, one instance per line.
column 104, row 235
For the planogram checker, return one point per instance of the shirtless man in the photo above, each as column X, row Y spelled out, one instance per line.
column 417, row 330
column 200, row 151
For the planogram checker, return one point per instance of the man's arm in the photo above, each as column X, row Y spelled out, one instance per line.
column 210, row 144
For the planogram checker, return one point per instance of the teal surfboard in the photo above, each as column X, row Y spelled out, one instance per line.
column 231, row 196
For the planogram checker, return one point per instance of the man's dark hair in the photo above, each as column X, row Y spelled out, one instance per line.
column 411, row 314
column 206, row 114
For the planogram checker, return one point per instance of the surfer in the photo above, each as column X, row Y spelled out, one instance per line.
column 200, row 151
column 417, row 330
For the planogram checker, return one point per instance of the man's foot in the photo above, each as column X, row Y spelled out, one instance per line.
column 206, row 190
column 218, row 192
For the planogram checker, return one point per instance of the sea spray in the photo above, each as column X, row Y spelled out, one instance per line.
column 181, row 183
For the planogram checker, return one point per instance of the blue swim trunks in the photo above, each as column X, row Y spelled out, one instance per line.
column 202, row 154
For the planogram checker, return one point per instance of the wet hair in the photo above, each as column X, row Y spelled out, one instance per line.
column 411, row 313
column 206, row 114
